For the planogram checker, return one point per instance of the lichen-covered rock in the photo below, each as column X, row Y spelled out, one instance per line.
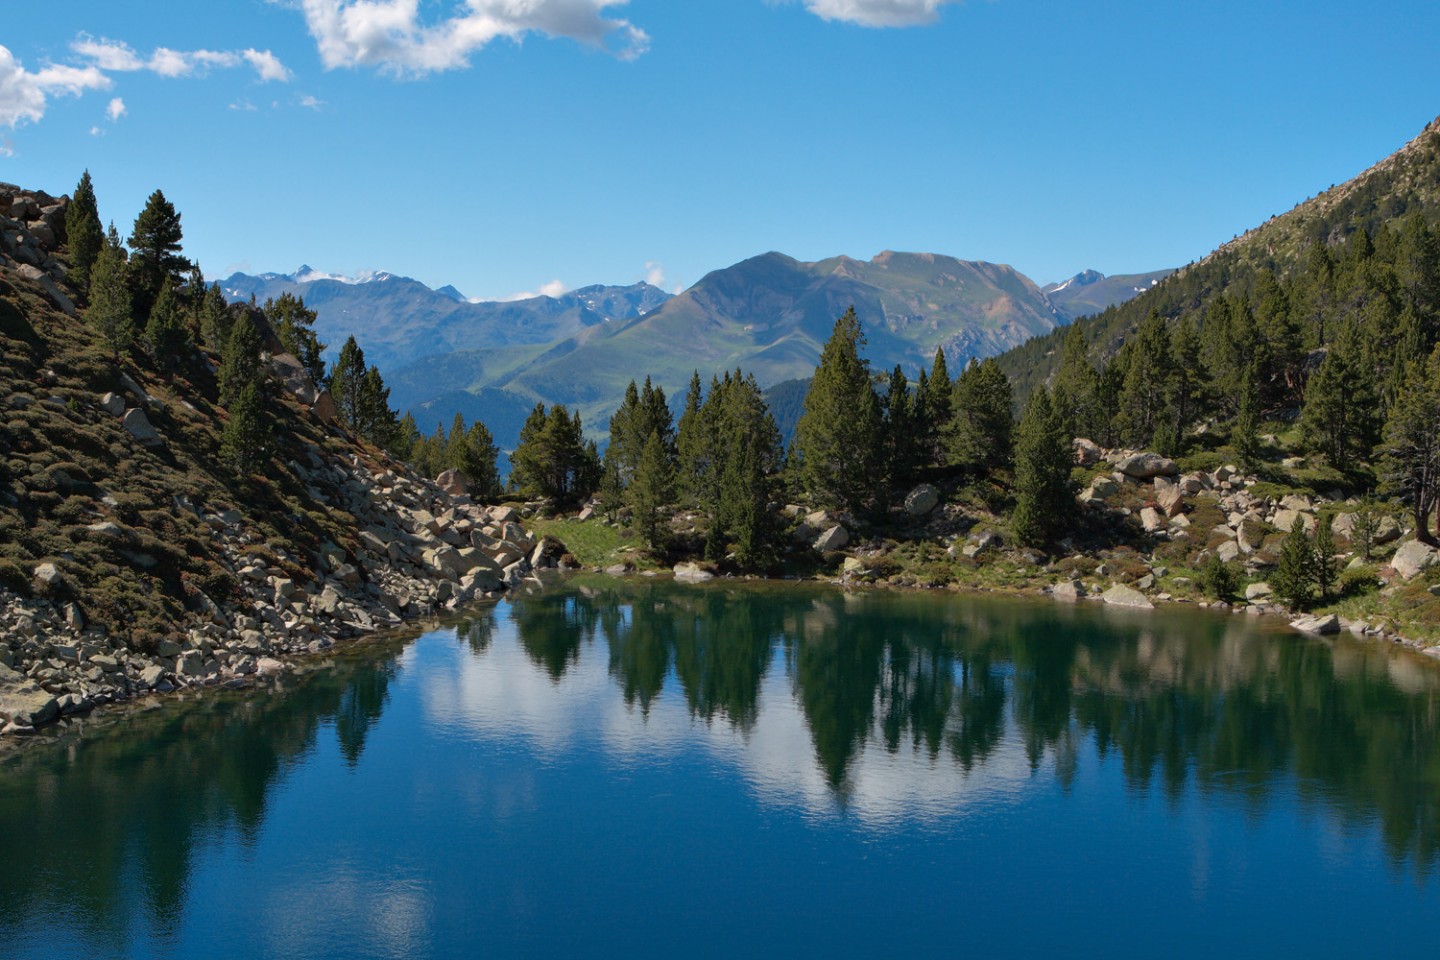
column 1122, row 596
column 1414, row 557
column 922, row 500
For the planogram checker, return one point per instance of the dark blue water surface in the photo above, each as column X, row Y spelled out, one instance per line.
column 645, row 769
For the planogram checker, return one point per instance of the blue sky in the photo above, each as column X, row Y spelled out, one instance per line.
column 505, row 145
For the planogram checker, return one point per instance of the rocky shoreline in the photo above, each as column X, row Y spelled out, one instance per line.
column 421, row 550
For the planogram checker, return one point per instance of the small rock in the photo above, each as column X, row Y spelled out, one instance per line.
column 835, row 538
column 692, row 573
column 922, row 500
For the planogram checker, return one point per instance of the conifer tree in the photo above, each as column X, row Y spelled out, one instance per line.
column 838, row 437
column 1294, row 576
column 294, row 328
column 347, row 382
column 214, row 319
column 110, row 307
column 688, row 441
column 904, row 434
column 83, row 233
column 1044, row 503
column 240, row 361
column 376, row 422
column 167, row 338
column 1077, row 385
column 652, row 490
column 155, row 260
column 1410, row 453
column 979, row 437
column 552, row 458
column 1323, row 566
column 743, row 456
column 1149, row 370
column 407, row 435
column 1341, row 409
column 481, row 454
column 1245, row 437
column 934, row 408
column 247, row 430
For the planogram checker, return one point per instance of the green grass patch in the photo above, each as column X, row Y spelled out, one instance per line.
column 592, row 542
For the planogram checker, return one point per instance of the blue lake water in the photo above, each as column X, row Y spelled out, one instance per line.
column 645, row 769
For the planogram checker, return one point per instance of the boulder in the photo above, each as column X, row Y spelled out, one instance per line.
column 1171, row 501
column 1122, row 596
column 692, row 573
column 454, row 483
column 1285, row 520
column 113, row 404
column 834, row 538
column 139, row 427
column 294, row 378
column 922, row 500
column 48, row 575
column 853, row 566
column 1414, row 557
column 1322, row 625
column 325, row 411
column 1147, row 466
column 1087, row 452
column 47, row 283
column 1102, row 487
column 1151, row 519
column 1258, row 591
column 1067, row 590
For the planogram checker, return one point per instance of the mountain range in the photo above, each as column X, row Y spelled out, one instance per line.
column 442, row 353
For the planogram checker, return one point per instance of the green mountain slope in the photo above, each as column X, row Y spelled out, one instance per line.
column 1402, row 184
column 770, row 315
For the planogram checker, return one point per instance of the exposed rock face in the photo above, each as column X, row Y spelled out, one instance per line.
column 454, row 483
column 293, row 378
column 1087, row 452
column 1413, row 557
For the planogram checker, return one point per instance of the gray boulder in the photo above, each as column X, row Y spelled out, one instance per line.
column 922, row 500
column 1414, row 557
column 1122, row 596
column 139, row 427
column 1147, row 466
column 692, row 573
column 1320, row 625
column 834, row 538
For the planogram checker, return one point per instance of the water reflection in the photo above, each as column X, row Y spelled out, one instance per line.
column 879, row 710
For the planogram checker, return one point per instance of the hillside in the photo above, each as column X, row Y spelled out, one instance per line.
column 399, row 320
column 1405, row 183
column 133, row 555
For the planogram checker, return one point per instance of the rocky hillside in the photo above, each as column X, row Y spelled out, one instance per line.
column 133, row 560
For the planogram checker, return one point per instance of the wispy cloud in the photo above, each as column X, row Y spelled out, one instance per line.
column 879, row 13
column 24, row 94
column 389, row 35
column 116, row 109
column 311, row 103
column 114, row 56
column 243, row 105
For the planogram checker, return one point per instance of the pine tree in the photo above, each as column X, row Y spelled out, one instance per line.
column 1044, row 503
column 1341, row 409
column 247, row 430
column 167, row 338
column 1077, row 385
column 110, row 308
column 1245, row 437
column 1294, row 576
column 1149, row 369
column 904, row 435
column 83, row 234
column 407, row 435
column 934, row 409
column 652, row 490
column 689, row 442
column 552, row 458
column 155, row 260
column 347, row 382
column 1410, row 454
column 979, row 437
column 376, row 422
column 743, row 457
column 838, row 437
column 240, row 361
column 1323, row 566
column 215, row 319
column 294, row 328
column 481, row 457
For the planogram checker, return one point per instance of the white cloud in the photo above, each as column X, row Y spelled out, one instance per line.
column 554, row 288
column 389, row 35
column 655, row 273
column 243, row 105
column 879, row 13
column 116, row 57
column 116, row 109
column 96, row 132
column 24, row 95
column 311, row 103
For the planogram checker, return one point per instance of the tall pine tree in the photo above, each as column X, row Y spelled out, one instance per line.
column 838, row 436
